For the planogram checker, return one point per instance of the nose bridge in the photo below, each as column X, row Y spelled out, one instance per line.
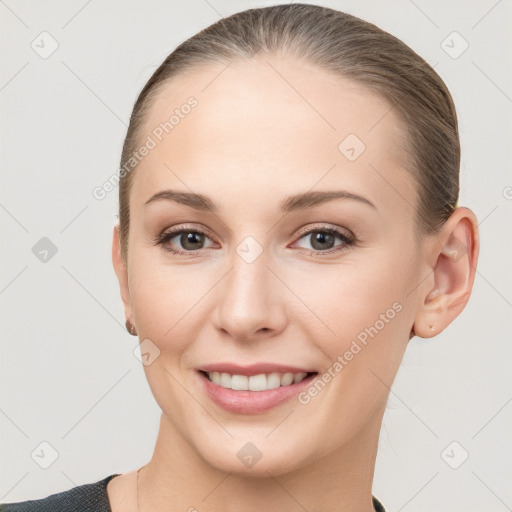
column 249, row 298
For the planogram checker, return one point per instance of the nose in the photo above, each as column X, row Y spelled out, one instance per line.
column 251, row 300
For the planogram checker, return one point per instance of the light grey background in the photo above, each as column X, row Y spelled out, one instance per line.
column 68, row 373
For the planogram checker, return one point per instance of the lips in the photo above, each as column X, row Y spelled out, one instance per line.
column 250, row 401
column 253, row 369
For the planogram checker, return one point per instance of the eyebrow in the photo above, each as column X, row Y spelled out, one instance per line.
column 290, row 204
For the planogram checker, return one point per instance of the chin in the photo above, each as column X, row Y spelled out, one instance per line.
column 263, row 468
column 257, row 458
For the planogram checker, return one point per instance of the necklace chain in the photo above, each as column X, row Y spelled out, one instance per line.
column 138, row 505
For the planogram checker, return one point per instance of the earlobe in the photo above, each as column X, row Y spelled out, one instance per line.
column 454, row 270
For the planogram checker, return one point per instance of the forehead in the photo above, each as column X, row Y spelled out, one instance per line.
column 272, row 122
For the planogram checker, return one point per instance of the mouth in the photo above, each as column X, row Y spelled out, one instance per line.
column 253, row 394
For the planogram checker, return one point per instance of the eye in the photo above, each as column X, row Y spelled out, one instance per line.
column 191, row 240
column 322, row 240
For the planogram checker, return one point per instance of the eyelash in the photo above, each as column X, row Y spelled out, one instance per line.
column 348, row 241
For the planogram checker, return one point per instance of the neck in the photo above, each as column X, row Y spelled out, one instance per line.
column 177, row 478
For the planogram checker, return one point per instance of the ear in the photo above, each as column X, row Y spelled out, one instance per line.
column 121, row 271
column 454, row 255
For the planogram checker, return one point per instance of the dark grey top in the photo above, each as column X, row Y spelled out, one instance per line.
column 84, row 498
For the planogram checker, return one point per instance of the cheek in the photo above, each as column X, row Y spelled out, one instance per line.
column 360, row 315
column 167, row 301
column 351, row 296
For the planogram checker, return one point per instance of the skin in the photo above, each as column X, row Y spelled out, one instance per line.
column 252, row 141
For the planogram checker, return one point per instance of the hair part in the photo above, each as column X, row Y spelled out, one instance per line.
column 345, row 45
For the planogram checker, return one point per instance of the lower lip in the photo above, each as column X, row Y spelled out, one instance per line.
column 251, row 402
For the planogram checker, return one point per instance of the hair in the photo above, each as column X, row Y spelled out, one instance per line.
column 351, row 48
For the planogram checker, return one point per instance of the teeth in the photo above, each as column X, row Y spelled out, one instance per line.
column 259, row 382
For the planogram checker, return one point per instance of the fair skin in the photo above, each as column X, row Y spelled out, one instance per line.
column 251, row 142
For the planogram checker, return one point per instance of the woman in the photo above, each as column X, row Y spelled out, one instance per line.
column 288, row 221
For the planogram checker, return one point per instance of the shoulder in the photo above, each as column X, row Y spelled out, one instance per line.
column 91, row 497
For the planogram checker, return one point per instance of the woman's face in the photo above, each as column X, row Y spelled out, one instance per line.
column 267, row 284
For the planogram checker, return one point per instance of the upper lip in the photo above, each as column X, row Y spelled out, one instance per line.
column 253, row 369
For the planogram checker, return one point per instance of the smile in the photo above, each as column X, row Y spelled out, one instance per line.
column 252, row 394
column 259, row 382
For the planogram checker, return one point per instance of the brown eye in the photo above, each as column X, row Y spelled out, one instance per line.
column 323, row 240
column 183, row 241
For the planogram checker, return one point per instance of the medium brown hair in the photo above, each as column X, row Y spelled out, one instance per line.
column 350, row 47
